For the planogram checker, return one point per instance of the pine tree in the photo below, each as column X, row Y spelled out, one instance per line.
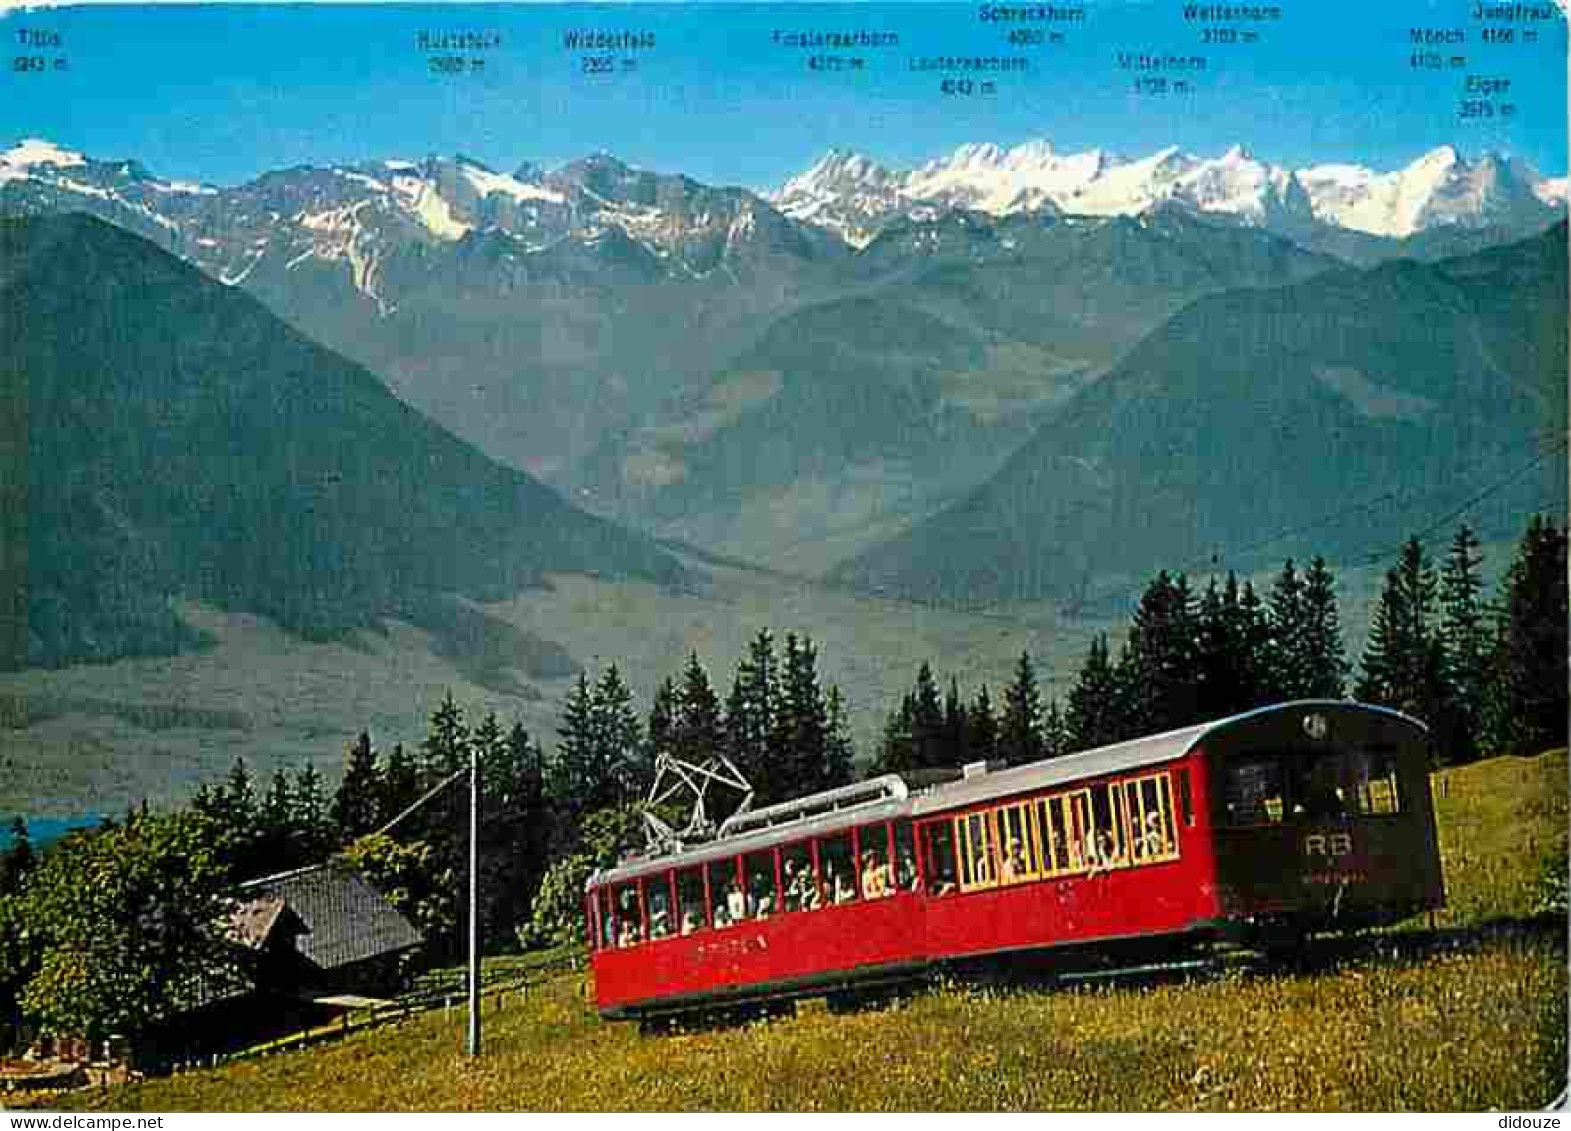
column 445, row 750
column 239, row 800
column 312, row 832
column 1528, row 664
column 801, row 727
column 982, row 728
column 1218, row 652
column 278, row 848
column 1322, row 655
column 1094, row 701
column 957, row 728
column 1466, row 640
column 1055, row 731
column 750, row 719
column 897, row 752
column 1161, row 658
column 663, row 715
column 840, row 751
column 1020, row 728
column 1288, row 669
column 356, row 809
column 577, row 780
column 622, row 735
column 1255, row 637
column 699, row 732
column 927, row 721
column 1404, row 658
column 400, row 782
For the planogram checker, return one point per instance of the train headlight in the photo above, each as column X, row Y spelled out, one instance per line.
column 1316, row 727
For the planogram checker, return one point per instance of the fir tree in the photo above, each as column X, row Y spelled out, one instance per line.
column 927, row 721
column 1160, row 663
column 1094, row 701
column 1528, row 665
column 1323, row 660
column 445, row 750
column 801, row 728
column 312, row 832
column 663, row 715
column 982, row 728
column 278, row 848
column 1466, row 640
column 840, row 751
column 897, row 752
column 1055, row 731
column 1020, row 728
column 957, row 728
column 356, row 806
column 699, row 731
column 622, row 735
column 400, row 785
column 750, row 719
column 578, row 779
column 1403, row 661
column 1288, row 674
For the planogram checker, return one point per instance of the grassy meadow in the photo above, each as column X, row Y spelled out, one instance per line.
column 1469, row 1016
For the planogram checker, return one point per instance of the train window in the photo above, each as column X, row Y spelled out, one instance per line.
column 726, row 901
column 657, row 900
column 1186, row 800
column 629, row 914
column 875, row 875
column 762, row 898
column 1107, row 848
column 796, row 873
column 1380, row 792
column 978, row 839
column 1019, row 860
column 1149, row 804
column 938, row 858
column 837, row 868
column 692, row 913
column 1252, row 791
column 905, row 874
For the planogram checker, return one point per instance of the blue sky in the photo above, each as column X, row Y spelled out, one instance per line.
column 221, row 93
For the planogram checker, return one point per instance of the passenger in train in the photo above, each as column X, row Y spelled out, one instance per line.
column 801, row 894
column 762, row 901
column 736, row 902
column 659, row 916
column 905, row 871
column 1152, row 842
column 692, row 919
column 875, row 877
column 1015, row 868
column 838, row 884
column 630, row 931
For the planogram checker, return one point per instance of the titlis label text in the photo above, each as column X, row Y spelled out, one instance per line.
column 33, row 44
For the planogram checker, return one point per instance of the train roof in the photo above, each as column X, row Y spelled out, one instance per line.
column 918, row 794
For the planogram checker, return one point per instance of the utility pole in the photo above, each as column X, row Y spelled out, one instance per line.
column 472, row 1045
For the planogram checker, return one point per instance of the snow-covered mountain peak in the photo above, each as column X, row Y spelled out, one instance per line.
column 33, row 151
column 1440, row 187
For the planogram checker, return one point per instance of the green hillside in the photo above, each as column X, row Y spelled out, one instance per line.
column 1470, row 1018
column 1352, row 407
column 178, row 440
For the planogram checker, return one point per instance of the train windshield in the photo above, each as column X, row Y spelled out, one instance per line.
column 1272, row 786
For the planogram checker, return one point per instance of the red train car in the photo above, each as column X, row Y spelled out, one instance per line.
column 1263, row 828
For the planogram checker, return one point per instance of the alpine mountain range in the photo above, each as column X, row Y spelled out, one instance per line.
column 1002, row 374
